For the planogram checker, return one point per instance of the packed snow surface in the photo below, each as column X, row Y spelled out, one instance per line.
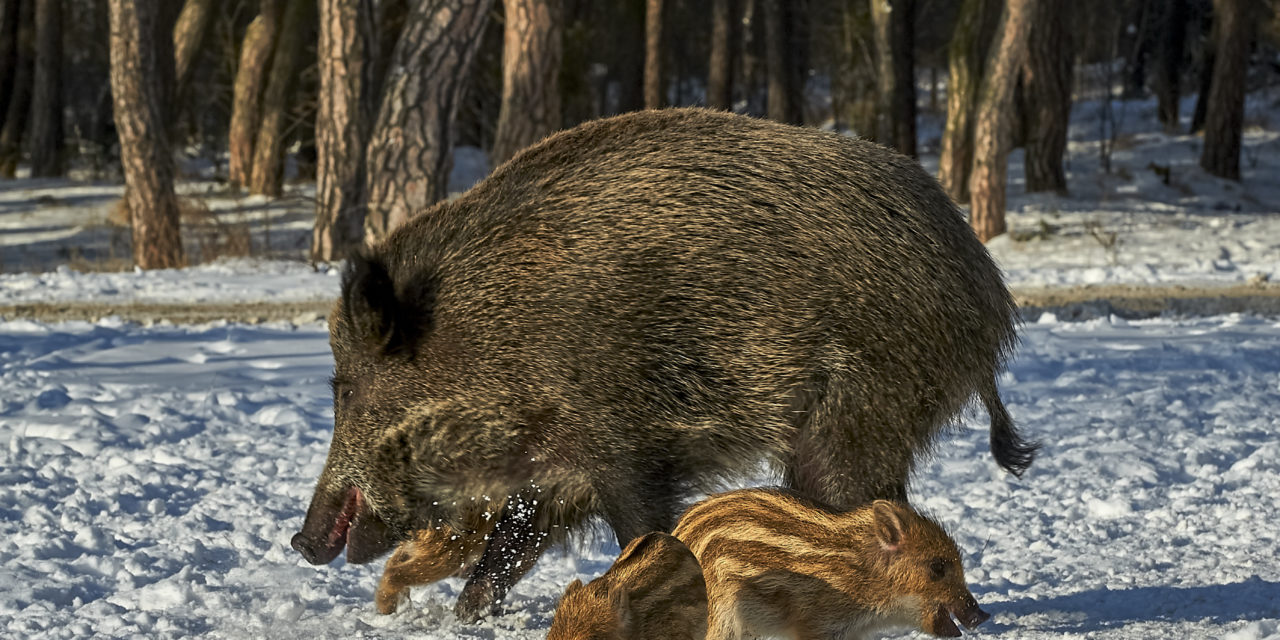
column 150, row 479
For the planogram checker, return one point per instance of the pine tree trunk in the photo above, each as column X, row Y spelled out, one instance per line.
column 347, row 50
column 894, row 22
column 1224, row 119
column 784, row 92
column 255, row 61
column 410, row 153
column 8, row 50
column 188, row 38
column 15, row 121
column 1046, row 106
column 653, row 93
column 531, row 54
column 45, row 137
column 1170, row 52
column 991, row 135
column 967, row 55
column 720, row 67
column 267, row 175
column 144, row 145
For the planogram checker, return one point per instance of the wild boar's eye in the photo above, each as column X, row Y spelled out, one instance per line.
column 937, row 568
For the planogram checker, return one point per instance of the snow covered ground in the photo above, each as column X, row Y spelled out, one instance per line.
column 150, row 479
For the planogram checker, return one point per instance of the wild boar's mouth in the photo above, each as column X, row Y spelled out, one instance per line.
column 353, row 526
column 969, row 615
column 942, row 625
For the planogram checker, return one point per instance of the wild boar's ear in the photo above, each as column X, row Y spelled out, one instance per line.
column 887, row 525
column 382, row 319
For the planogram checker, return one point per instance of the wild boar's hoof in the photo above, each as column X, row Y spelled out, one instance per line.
column 479, row 599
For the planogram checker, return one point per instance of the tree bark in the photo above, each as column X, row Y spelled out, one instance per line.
column 188, row 38
column 410, row 153
column 1046, row 93
column 653, row 87
column 1168, row 65
column 267, row 174
column 144, row 144
column 720, row 66
column 531, row 54
column 989, row 177
column 967, row 54
column 1224, row 119
column 894, row 22
column 8, row 50
column 251, row 73
column 15, row 121
column 45, row 136
column 785, row 90
column 347, row 52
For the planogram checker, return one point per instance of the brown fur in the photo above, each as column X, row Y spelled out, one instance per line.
column 654, row 591
column 428, row 556
column 638, row 308
column 778, row 564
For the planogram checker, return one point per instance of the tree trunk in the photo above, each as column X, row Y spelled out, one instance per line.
column 784, row 90
column 410, row 153
column 1046, row 107
column 991, row 135
column 894, row 22
column 188, row 36
column 15, row 121
column 531, row 54
column 267, row 175
column 1168, row 66
column 653, row 88
column 144, row 144
column 967, row 54
column 255, row 60
column 720, row 67
column 45, row 137
column 347, row 50
column 1224, row 119
column 1208, row 30
column 8, row 50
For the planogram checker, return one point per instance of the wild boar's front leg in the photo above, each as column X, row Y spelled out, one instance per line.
column 512, row 549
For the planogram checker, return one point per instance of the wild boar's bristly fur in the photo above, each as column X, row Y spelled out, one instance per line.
column 644, row 305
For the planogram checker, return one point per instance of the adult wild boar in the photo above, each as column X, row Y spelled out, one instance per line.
column 642, row 305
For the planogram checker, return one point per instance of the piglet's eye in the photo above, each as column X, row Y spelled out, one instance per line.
column 937, row 568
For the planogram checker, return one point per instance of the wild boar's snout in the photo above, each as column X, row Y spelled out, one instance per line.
column 970, row 615
column 338, row 520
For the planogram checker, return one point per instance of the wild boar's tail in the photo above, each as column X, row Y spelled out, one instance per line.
column 1010, row 450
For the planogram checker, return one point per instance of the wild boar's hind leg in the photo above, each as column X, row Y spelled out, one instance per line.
column 513, row 548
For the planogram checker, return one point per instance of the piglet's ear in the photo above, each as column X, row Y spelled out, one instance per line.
column 887, row 524
column 380, row 317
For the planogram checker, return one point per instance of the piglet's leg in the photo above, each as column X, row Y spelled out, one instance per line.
column 513, row 548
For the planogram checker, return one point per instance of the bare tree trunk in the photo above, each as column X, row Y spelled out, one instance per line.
column 8, row 51
column 1224, row 119
column 967, row 54
column 255, row 61
column 267, row 175
column 724, row 14
column 1046, row 83
column 15, row 121
column 188, row 38
column 989, row 178
column 653, row 88
column 410, row 153
column 45, row 137
column 347, row 50
column 531, row 54
column 1207, row 59
column 144, row 145
column 894, row 22
column 1169, row 55
column 784, row 99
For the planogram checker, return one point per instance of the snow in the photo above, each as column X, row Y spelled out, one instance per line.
column 151, row 476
